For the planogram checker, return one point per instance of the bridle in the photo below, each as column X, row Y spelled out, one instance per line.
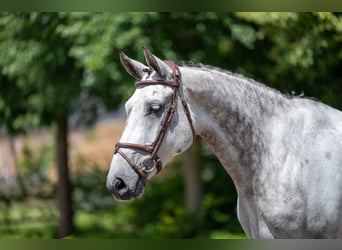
column 149, row 164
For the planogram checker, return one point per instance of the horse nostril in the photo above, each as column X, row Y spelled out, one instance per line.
column 120, row 190
column 119, row 184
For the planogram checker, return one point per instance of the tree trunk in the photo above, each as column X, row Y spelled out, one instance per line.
column 65, row 226
column 192, row 171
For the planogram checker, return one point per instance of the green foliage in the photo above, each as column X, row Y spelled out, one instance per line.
column 31, row 180
column 301, row 51
column 33, row 218
column 33, row 172
column 27, row 207
column 159, row 214
column 46, row 56
column 89, row 191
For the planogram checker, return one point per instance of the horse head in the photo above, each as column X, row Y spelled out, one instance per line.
column 158, row 127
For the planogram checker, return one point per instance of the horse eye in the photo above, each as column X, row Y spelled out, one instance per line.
column 155, row 108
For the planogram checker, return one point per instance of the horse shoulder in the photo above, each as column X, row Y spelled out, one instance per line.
column 299, row 190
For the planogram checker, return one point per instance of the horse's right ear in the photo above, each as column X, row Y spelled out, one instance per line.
column 133, row 67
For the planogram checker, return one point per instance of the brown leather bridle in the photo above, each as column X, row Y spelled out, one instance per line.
column 154, row 161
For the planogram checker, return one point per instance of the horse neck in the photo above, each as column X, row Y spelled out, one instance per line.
column 231, row 114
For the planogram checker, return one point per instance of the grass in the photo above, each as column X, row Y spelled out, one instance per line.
column 31, row 219
column 226, row 235
column 113, row 224
column 38, row 220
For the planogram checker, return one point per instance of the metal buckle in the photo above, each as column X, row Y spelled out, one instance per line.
column 148, row 165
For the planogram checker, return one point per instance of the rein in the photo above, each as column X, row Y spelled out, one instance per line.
column 154, row 161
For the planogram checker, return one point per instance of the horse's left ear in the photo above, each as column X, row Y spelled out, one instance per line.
column 157, row 64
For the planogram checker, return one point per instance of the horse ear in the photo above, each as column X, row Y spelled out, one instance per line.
column 157, row 64
column 133, row 67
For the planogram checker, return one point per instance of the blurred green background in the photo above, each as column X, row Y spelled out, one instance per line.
column 61, row 76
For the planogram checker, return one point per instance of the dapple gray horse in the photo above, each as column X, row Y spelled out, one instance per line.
column 283, row 153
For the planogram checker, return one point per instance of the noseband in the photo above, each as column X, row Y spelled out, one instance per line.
column 154, row 161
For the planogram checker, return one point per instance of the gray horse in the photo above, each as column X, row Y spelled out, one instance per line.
column 284, row 154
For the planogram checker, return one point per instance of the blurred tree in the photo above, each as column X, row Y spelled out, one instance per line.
column 192, row 174
column 35, row 59
column 58, row 65
column 54, row 65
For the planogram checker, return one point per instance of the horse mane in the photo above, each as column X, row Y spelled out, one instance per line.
column 250, row 80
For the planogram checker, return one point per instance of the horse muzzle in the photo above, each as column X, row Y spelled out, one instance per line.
column 122, row 189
